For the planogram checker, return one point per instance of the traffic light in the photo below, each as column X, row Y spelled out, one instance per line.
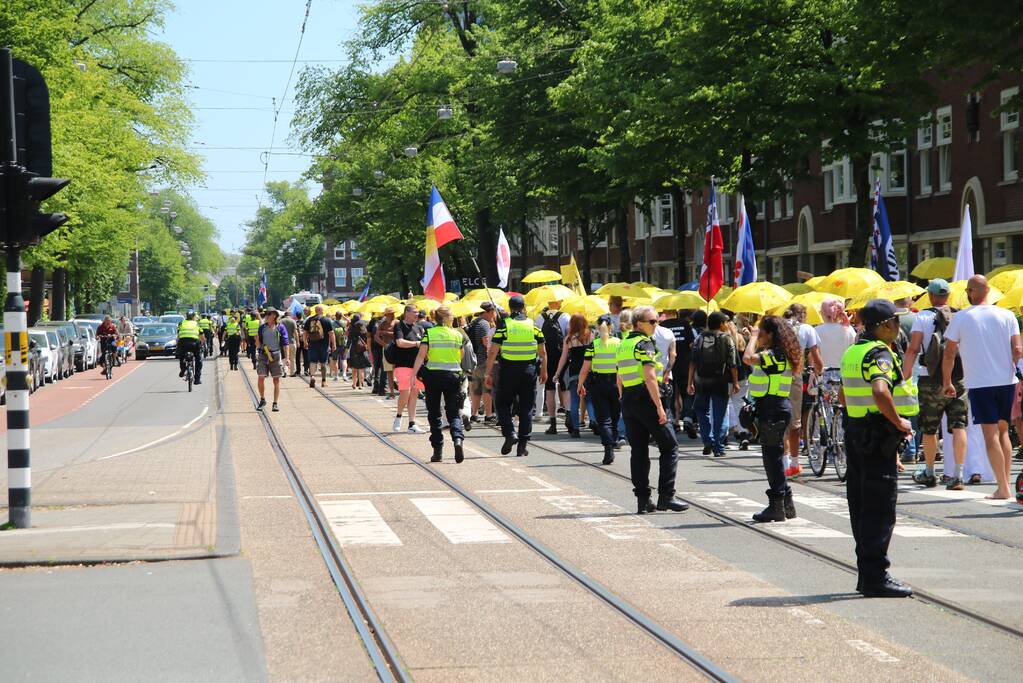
column 21, row 222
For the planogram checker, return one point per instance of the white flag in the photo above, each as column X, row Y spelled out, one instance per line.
column 503, row 260
column 964, row 257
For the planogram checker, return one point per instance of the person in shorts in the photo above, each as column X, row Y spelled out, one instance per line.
column 382, row 336
column 408, row 334
column 320, row 342
column 480, row 330
column 272, row 341
column 810, row 344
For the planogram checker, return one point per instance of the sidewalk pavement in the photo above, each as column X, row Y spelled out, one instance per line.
column 169, row 500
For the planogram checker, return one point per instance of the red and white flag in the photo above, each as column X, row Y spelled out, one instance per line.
column 712, row 274
column 503, row 260
column 440, row 229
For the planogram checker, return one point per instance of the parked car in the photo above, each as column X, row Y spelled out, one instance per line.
column 175, row 318
column 48, row 353
column 35, row 363
column 85, row 349
column 156, row 339
column 98, row 317
column 92, row 325
column 66, row 334
column 143, row 319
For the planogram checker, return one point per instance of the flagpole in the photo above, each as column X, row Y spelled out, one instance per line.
column 483, row 279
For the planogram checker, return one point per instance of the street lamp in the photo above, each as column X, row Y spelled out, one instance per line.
column 178, row 229
column 357, row 191
column 507, row 66
column 378, row 174
column 444, row 112
column 411, row 151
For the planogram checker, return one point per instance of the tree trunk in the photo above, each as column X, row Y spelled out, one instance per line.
column 524, row 243
column 37, row 290
column 587, row 274
column 58, row 303
column 625, row 252
column 678, row 196
column 405, row 289
column 487, row 248
column 864, row 213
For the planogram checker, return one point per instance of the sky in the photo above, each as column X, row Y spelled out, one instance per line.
column 232, row 100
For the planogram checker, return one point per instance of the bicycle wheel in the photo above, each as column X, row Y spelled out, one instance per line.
column 816, row 439
column 838, row 443
column 188, row 376
column 108, row 366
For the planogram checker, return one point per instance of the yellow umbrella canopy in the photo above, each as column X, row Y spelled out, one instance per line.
column 384, row 298
column 656, row 292
column 812, row 301
column 813, row 313
column 1004, row 269
column 756, row 297
column 958, row 298
column 350, row 305
column 797, row 288
column 640, row 283
column 1006, row 280
column 848, row 282
column 724, row 293
column 633, row 301
column 542, row 276
column 679, row 301
column 621, row 289
column 464, row 308
column 590, row 306
column 939, row 266
column 498, row 295
column 427, row 305
column 815, row 282
column 546, row 294
column 371, row 308
column 893, row 291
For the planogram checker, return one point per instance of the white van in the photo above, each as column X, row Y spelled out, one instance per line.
column 304, row 298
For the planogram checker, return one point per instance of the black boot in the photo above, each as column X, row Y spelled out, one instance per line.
column 775, row 510
column 509, row 443
column 522, row 451
column 553, row 429
column 790, row 507
column 671, row 503
column 437, row 451
column 459, row 453
column 886, row 588
column 644, row 505
column 609, row 455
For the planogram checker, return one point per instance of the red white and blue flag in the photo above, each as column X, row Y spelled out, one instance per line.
column 365, row 292
column 440, row 229
column 261, row 298
column 882, row 248
column 745, row 255
column 712, row 274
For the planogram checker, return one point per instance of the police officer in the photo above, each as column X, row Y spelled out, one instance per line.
column 441, row 351
column 251, row 328
column 518, row 342
column 206, row 328
column 871, row 375
column 598, row 379
column 188, row 340
column 642, row 407
column 233, row 338
column 775, row 355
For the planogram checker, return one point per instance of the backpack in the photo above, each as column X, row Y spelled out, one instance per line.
column 551, row 330
column 315, row 330
column 468, row 356
column 935, row 352
column 391, row 353
column 710, row 353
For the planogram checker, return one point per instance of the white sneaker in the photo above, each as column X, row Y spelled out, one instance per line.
column 396, row 427
column 415, row 429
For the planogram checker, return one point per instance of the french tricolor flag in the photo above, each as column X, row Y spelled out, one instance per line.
column 440, row 229
column 745, row 255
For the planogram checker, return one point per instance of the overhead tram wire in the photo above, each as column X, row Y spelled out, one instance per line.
column 279, row 106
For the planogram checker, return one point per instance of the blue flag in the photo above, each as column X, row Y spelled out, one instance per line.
column 745, row 255
column 365, row 292
column 261, row 297
column 882, row 249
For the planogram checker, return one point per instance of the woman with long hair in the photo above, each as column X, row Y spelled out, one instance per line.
column 358, row 352
column 572, row 354
column 441, row 353
column 738, row 399
column 598, row 384
column 776, row 357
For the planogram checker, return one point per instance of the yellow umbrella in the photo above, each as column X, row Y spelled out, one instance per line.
column 464, row 308
column 939, row 266
column 542, row 276
column 547, row 293
column 384, row 298
column 621, row 289
column 1006, row 280
column 812, row 301
column 815, row 282
column 640, row 283
column 848, row 282
column 797, row 288
column 656, row 292
column 1004, row 269
column 680, row 301
column 633, row 301
column 756, row 297
column 958, row 298
column 590, row 306
column 813, row 313
column 1012, row 300
column 330, row 302
column 371, row 308
column 724, row 293
column 427, row 305
column 893, row 291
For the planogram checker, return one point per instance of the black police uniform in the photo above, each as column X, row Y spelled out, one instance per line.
column 516, row 384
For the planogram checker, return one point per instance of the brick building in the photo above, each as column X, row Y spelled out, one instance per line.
column 344, row 271
column 968, row 157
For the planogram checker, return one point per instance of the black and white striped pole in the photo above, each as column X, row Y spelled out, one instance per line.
column 19, row 471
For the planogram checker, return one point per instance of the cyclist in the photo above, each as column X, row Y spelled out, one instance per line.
column 188, row 340
column 206, row 327
column 106, row 332
column 125, row 334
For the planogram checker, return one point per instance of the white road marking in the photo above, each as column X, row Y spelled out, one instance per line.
column 904, row 527
column 741, row 507
column 872, row 652
column 609, row 519
column 805, row 616
column 458, row 521
column 380, row 493
column 975, row 496
column 545, row 487
column 358, row 522
column 144, row 446
column 120, row 526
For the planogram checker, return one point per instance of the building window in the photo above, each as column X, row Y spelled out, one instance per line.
column 552, row 235
column 356, row 276
column 1009, row 125
column 563, row 243
column 354, row 252
column 339, row 250
column 724, row 209
column 999, row 253
column 924, row 143
column 776, row 209
column 837, row 180
column 776, row 266
column 944, row 143
column 340, row 277
column 790, row 201
column 666, row 213
column 641, row 221
column 896, row 175
column 761, row 210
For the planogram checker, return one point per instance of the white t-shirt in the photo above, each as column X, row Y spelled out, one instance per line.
column 562, row 322
column 924, row 324
column 807, row 336
column 664, row 339
column 834, row 339
column 984, row 333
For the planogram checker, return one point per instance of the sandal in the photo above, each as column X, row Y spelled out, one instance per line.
column 974, row 479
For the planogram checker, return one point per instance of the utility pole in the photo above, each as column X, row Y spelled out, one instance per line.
column 25, row 119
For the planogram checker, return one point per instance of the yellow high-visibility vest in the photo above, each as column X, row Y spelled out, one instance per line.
column 772, row 377
column 605, row 356
column 188, row 329
column 630, row 370
column 519, row 343
column 444, row 349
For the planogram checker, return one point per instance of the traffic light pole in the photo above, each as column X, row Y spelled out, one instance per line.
column 19, row 472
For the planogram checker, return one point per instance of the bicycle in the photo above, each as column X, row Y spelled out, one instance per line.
column 824, row 432
column 190, row 369
column 108, row 363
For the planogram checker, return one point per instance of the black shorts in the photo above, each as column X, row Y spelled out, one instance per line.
column 552, row 366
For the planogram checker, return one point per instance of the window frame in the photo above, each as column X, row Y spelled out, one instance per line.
column 1008, row 127
column 665, row 202
column 340, row 251
column 357, row 274
column 343, row 280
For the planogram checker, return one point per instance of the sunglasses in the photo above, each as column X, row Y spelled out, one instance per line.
column 649, row 321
